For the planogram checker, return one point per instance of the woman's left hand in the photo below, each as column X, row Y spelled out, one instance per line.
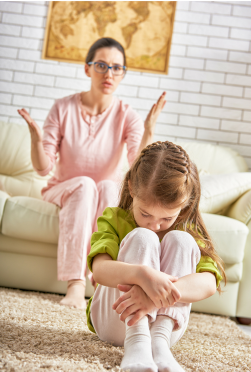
column 154, row 112
column 134, row 302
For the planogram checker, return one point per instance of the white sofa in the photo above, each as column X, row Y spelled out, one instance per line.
column 29, row 226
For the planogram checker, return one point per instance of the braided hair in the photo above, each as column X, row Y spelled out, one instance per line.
column 163, row 174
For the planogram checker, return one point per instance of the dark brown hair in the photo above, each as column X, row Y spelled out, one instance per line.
column 164, row 174
column 104, row 42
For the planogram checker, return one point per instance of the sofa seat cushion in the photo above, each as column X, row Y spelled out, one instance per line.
column 229, row 236
column 218, row 191
column 27, row 184
column 3, row 197
column 27, row 247
column 234, row 272
column 30, row 219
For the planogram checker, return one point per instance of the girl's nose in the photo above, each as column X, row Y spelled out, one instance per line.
column 155, row 226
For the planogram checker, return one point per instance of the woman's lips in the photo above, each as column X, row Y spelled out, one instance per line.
column 107, row 84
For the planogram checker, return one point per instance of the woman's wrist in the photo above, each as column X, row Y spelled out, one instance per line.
column 38, row 156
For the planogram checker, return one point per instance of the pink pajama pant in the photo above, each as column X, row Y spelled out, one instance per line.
column 178, row 254
column 82, row 201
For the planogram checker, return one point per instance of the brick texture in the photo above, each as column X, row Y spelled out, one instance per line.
column 208, row 86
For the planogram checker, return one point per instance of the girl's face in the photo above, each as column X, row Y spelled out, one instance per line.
column 154, row 217
column 105, row 83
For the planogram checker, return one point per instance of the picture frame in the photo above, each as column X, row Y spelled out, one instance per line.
column 144, row 28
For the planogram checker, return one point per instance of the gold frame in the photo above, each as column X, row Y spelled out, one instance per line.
column 141, row 69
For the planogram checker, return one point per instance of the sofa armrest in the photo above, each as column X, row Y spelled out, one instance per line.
column 3, row 197
column 241, row 209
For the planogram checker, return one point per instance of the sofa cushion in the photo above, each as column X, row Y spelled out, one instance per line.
column 214, row 159
column 30, row 219
column 3, row 197
column 218, row 191
column 17, row 176
column 27, row 184
column 27, row 247
column 234, row 272
column 15, row 145
column 228, row 235
column 241, row 209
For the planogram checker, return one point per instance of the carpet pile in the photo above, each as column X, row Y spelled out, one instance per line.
column 37, row 334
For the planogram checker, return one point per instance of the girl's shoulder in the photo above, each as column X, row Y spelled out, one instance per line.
column 117, row 212
column 119, row 218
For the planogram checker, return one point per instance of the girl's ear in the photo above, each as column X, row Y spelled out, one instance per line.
column 87, row 67
column 130, row 188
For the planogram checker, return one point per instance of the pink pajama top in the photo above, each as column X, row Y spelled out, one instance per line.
column 89, row 146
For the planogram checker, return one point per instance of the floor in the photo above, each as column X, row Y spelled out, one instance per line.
column 246, row 329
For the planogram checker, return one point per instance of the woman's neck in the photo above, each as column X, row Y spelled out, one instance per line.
column 95, row 103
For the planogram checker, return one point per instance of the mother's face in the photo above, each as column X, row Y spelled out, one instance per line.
column 105, row 83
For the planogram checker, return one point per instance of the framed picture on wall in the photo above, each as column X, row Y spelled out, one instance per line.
column 144, row 28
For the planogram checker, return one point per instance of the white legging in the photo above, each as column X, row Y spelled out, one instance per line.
column 178, row 254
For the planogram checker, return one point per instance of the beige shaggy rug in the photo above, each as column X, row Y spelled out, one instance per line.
column 37, row 334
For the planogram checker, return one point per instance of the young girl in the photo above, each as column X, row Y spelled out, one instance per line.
column 154, row 247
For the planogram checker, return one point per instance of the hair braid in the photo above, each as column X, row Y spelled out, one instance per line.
column 180, row 158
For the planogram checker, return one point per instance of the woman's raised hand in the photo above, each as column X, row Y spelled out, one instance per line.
column 159, row 287
column 154, row 112
column 35, row 131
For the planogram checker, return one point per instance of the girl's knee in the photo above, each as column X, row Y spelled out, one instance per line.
column 140, row 246
column 142, row 234
column 182, row 240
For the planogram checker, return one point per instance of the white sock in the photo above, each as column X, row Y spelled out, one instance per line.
column 138, row 348
column 161, row 331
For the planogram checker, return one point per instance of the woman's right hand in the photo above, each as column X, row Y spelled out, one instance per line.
column 35, row 131
column 159, row 287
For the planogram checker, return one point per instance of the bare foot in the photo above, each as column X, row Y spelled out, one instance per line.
column 75, row 296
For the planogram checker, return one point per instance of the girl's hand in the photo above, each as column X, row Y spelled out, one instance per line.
column 154, row 112
column 134, row 302
column 159, row 287
column 35, row 131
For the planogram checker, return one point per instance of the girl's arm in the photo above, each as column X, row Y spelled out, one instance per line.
column 193, row 288
column 157, row 285
column 39, row 158
column 196, row 287
column 151, row 121
column 110, row 273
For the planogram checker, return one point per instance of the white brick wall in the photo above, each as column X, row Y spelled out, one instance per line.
column 208, row 85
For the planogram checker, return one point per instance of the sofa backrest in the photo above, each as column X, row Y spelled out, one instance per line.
column 214, row 159
column 17, row 176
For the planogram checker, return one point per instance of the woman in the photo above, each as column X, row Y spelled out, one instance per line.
column 88, row 131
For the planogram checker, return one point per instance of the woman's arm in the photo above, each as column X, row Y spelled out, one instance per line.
column 39, row 158
column 151, row 121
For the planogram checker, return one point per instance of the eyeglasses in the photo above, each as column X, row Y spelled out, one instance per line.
column 102, row 68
